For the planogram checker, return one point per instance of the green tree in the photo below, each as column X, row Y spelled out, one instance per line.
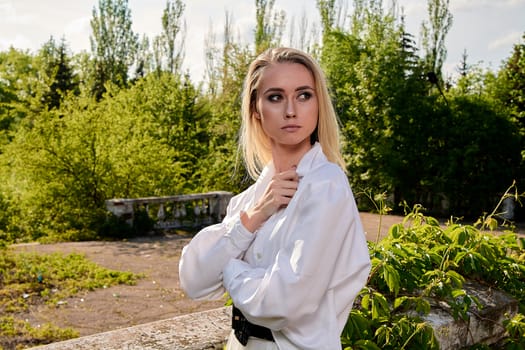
column 18, row 88
column 59, row 171
column 173, row 34
column 470, row 76
column 373, row 72
column 512, row 84
column 56, row 72
column 434, row 34
column 269, row 25
column 113, row 44
column 226, row 69
column 143, row 59
column 327, row 13
column 179, row 121
column 508, row 88
column 476, row 170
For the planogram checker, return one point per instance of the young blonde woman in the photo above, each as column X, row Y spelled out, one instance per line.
column 291, row 251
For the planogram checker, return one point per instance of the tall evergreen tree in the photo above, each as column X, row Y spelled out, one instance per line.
column 57, row 72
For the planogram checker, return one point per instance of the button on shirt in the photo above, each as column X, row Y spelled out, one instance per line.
column 300, row 272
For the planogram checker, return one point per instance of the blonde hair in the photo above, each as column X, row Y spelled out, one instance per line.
column 254, row 143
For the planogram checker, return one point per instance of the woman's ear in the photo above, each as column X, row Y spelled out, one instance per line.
column 255, row 110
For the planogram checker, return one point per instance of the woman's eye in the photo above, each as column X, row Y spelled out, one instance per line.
column 304, row 96
column 274, row 98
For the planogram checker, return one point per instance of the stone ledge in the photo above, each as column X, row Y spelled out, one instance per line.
column 209, row 329
column 197, row 331
column 484, row 326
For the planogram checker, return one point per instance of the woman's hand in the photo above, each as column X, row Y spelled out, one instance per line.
column 277, row 195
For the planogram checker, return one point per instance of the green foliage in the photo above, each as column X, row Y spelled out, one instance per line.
column 173, row 34
column 56, row 72
column 22, row 333
column 434, row 33
column 178, row 119
column 382, row 101
column 221, row 168
column 508, row 88
column 460, row 169
column 511, row 83
column 160, row 134
column 422, row 262
column 515, row 327
column 30, row 279
column 17, row 90
column 402, row 136
column 62, row 169
column 113, row 44
column 270, row 25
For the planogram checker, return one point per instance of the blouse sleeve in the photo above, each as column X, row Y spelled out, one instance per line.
column 203, row 259
column 324, row 231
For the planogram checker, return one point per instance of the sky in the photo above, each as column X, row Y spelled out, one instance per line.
column 486, row 29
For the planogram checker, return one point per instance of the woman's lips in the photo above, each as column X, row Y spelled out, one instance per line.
column 291, row 127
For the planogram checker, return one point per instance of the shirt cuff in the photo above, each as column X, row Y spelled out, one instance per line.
column 239, row 236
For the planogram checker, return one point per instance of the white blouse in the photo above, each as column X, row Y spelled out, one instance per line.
column 300, row 272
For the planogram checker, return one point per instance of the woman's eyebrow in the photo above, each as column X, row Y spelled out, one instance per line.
column 305, row 87
column 273, row 89
column 277, row 89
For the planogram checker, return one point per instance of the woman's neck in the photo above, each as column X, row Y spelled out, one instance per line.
column 286, row 157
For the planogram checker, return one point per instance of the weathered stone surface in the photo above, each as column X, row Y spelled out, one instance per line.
column 209, row 329
column 198, row 331
column 484, row 326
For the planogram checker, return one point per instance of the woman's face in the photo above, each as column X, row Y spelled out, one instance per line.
column 287, row 104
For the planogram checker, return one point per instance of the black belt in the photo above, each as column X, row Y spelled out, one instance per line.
column 244, row 329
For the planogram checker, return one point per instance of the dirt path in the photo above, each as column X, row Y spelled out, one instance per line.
column 157, row 296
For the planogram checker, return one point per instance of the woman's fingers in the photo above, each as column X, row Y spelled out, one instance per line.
column 277, row 195
column 282, row 188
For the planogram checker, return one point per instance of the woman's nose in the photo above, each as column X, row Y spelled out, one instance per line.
column 290, row 110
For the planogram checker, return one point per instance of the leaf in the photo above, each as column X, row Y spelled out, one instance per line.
column 391, row 276
column 456, row 293
column 380, row 307
column 365, row 302
column 455, row 278
column 396, row 230
column 400, row 301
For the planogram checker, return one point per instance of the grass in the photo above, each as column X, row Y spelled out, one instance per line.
column 31, row 279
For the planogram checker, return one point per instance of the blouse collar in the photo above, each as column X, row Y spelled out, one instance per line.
column 311, row 160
